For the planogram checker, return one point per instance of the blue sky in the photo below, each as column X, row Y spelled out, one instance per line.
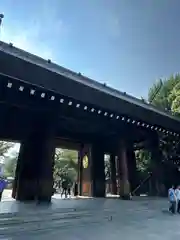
column 126, row 43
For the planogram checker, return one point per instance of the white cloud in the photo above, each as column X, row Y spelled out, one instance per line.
column 27, row 40
column 36, row 35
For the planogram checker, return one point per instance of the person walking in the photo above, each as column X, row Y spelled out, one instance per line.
column 177, row 193
column 69, row 190
column 64, row 188
column 2, row 187
column 172, row 200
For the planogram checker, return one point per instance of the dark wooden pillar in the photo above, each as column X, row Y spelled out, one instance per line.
column 156, row 181
column 85, row 171
column 132, row 170
column 98, row 171
column 46, row 168
column 113, row 174
column 34, row 172
column 123, row 165
column 25, row 187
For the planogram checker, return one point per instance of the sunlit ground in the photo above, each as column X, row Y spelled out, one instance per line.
column 8, row 192
column 7, row 196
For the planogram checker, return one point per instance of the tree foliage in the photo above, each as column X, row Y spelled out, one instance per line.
column 174, row 98
column 165, row 94
column 7, row 161
column 143, row 158
column 153, row 95
column 4, row 147
column 159, row 93
column 10, row 163
column 65, row 166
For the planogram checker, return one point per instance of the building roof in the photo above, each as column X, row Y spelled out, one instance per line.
column 10, row 50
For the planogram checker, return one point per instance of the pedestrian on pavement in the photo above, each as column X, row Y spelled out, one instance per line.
column 2, row 186
column 64, row 188
column 69, row 190
column 172, row 200
column 177, row 193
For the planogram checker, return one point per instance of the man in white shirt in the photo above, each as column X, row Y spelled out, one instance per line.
column 177, row 193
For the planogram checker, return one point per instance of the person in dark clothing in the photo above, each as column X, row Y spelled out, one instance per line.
column 69, row 190
column 64, row 188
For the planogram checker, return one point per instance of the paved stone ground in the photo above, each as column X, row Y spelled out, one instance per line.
column 85, row 219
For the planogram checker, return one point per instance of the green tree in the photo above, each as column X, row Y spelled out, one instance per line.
column 174, row 98
column 143, row 159
column 10, row 163
column 165, row 94
column 5, row 147
column 159, row 93
column 153, row 93
column 66, row 165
